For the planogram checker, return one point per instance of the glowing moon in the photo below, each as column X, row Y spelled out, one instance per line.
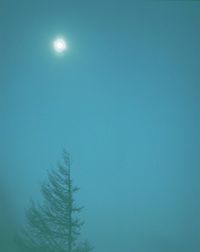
column 60, row 45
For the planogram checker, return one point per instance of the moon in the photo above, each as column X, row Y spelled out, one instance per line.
column 60, row 45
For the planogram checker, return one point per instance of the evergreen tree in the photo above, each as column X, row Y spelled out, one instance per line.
column 54, row 225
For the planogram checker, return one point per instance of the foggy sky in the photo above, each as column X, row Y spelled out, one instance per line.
column 124, row 101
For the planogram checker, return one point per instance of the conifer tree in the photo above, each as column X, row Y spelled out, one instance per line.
column 54, row 226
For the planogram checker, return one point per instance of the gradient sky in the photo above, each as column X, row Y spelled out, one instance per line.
column 124, row 100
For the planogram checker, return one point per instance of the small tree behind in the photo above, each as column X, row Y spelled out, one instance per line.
column 54, row 225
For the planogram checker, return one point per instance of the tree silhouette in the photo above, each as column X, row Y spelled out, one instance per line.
column 54, row 225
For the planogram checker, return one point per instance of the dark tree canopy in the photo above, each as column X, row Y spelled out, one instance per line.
column 54, row 225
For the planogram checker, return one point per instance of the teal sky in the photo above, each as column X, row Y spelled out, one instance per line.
column 124, row 100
